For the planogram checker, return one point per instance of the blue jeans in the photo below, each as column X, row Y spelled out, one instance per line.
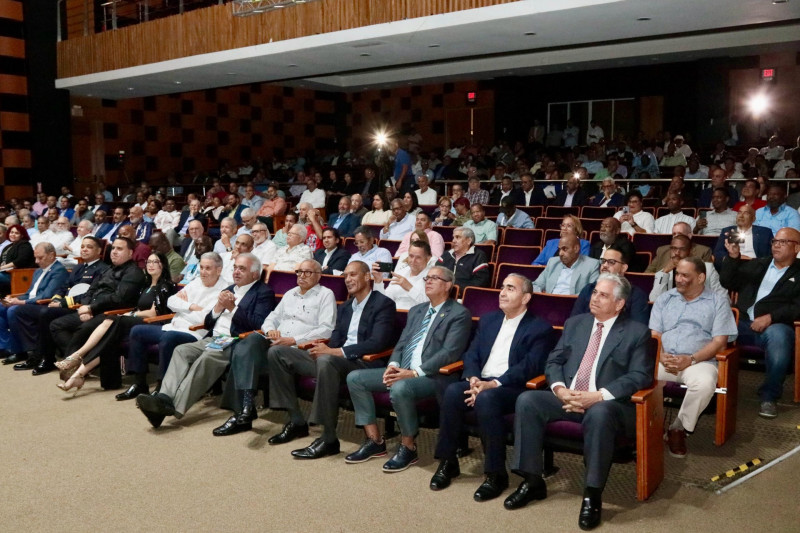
column 143, row 336
column 404, row 395
column 777, row 341
column 8, row 341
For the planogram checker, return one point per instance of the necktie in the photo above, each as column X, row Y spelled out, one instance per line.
column 585, row 370
column 405, row 361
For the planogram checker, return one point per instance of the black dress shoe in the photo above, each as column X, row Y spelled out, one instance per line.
column 317, row 450
column 492, row 487
column 526, row 493
column 448, row 469
column 133, row 391
column 232, row 427
column 28, row 364
column 159, row 404
column 289, row 433
column 44, row 367
column 15, row 358
column 589, row 517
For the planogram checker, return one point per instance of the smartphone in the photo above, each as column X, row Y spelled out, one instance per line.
column 385, row 267
column 735, row 238
column 625, row 209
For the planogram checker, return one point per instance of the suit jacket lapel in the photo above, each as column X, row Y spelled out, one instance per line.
column 582, row 333
column 614, row 337
column 437, row 319
column 521, row 330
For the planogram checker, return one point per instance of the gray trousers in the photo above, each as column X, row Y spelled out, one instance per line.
column 404, row 395
column 330, row 370
column 192, row 371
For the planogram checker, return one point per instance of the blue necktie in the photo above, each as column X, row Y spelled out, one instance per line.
column 405, row 361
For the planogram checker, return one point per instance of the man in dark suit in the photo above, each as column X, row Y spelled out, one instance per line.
column 370, row 186
column 664, row 253
column 187, row 215
column 364, row 326
column 608, row 195
column 26, row 320
column 592, row 375
column 49, row 279
column 615, row 262
column 509, row 348
column 769, row 303
column 507, row 189
column 344, row 221
column 754, row 241
column 332, row 256
column 572, row 194
column 435, row 335
column 233, row 208
column 195, row 366
column 530, row 195
column 196, row 230
column 119, row 219
column 610, row 235
column 116, row 288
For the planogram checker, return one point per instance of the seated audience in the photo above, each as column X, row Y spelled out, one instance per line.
column 610, row 235
column 634, row 219
column 664, row 253
column 407, row 285
column 666, row 278
column 568, row 272
column 510, row 347
column 279, row 238
column 512, row 217
column 572, row 195
column 664, row 223
column 332, row 257
column 470, row 266
column 313, row 195
column 608, row 195
column 344, row 221
column 753, row 241
column 379, row 215
column 399, row 224
column 18, row 254
column 436, row 334
column 776, row 214
column 142, row 229
column 243, row 245
column 287, row 258
column 485, row 230
column 192, row 269
column 411, row 203
column 227, row 230
column 695, row 324
column 506, row 190
column 368, row 251
column 769, row 305
column 435, row 240
column 425, row 195
column 712, row 222
column 141, row 251
column 570, row 225
column 443, row 216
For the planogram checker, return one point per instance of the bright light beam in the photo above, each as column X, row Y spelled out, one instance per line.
column 758, row 104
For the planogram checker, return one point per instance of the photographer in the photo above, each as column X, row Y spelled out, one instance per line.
column 753, row 240
column 407, row 285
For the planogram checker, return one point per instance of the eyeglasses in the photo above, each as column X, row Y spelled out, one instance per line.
column 782, row 242
column 301, row 273
column 611, row 262
column 259, row 231
column 153, row 262
column 431, row 278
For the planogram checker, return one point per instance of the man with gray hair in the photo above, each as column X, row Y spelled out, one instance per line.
column 227, row 231
column 73, row 249
column 470, row 266
column 435, row 335
column 248, row 221
column 263, row 247
column 599, row 362
column 295, row 252
column 195, row 366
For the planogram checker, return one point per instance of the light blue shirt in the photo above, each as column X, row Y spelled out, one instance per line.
column 355, row 320
column 786, row 217
column 375, row 255
column 771, row 277
column 485, row 231
column 519, row 219
column 399, row 229
column 416, row 355
column 564, row 281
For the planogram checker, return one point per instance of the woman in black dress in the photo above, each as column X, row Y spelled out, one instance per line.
column 104, row 334
column 18, row 254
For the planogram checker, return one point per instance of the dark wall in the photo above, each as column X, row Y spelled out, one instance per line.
column 49, row 110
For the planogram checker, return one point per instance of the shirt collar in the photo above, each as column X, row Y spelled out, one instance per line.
column 243, row 289
column 357, row 306
column 772, row 266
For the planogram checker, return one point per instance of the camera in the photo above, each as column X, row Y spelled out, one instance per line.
column 734, row 237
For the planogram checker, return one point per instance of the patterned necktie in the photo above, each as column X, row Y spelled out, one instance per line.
column 405, row 361
column 585, row 370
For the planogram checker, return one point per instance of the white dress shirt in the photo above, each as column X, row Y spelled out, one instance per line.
column 196, row 294
column 315, row 198
column 664, row 224
column 399, row 229
column 497, row 363
column 265, row 252
column 643, row 219
column 288, row 258
column 304, row 317
column 224, row 319
column 404, row 299
column 607, row 325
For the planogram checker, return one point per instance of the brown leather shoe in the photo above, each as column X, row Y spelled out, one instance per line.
column 676, row 442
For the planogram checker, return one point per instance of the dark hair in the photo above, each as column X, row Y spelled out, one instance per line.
column 424, row 246
column 633, row 194
column 414, row 200
column 95, row 240
column 626, row 257
column 128, row 242
column 365, row 231
column 165, row 273
column 384, row 201
column 462, row 201
column 723, row 190
column 23, row 233
column 699, row 265
column 336, row 235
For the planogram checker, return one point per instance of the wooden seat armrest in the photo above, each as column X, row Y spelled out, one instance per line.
column 641, row 396
column 308, row 345
column 197, row 327
column 16, row 295
column 537, row 383
column 727, row 353
column 159, row 318
column 380, row 355
column 248, row 333
column 118, row 311
column 452, row 368
column 74, row 306
column 44, row 301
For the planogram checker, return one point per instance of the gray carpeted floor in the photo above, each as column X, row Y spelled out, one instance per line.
column 91, row 463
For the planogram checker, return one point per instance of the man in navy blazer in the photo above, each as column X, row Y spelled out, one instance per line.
column 509, row 348
column 573, row 192
column 332, row 246
column 344, row 221
column 600, row 361
column 756, row 241
column 195, row 366
column 48, row 279
column 608, row 195
column 364, row 325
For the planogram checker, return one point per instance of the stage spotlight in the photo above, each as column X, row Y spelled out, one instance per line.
column 758, row 104
column 381, row 138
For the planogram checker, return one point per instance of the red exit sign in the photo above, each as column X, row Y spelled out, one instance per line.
column 767, row 74
column 472, row 96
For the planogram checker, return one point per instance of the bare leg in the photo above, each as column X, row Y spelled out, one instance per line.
column 79, row 377
column 98, row 333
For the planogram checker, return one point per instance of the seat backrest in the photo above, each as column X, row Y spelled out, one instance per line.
column 445, row 231
column 590, row 211
column 534, row 211
column 641, row 280
column 480, row 301
column 559, row 211
column 555, row 308
column 518, row 255
column 350, row 245
column 522, row 237
column 706, row 240
column 491, row 210
column 650, row 242
column 281, row 282
column 591, row 224
column 336, row 284
column 545, row 223
column 488, row 249
column 392, row 246
column 504, row 269
column 640, row 262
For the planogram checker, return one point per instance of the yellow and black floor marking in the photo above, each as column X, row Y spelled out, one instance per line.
column 738, row 470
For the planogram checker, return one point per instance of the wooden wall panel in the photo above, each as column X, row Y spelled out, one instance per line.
column 214, row 29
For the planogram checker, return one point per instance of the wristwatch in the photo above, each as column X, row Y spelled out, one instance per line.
column 694, row 361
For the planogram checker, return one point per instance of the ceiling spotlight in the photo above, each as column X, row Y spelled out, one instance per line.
column 642, row 19
column 758, row 104
column 364, row 54
column 779, row 1
column 530, row 33
column 130, row 88
column 177, row 83
column 231, row 73
column 434, row 45
column 291, row 65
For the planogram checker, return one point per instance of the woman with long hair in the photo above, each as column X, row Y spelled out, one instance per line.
column 18, row 254
column 379, row 214
column 106, row 333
